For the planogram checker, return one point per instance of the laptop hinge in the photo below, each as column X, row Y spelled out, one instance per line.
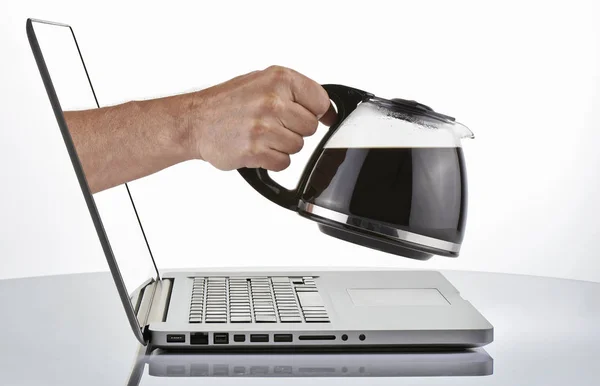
column 160, row 302
column 145, row 302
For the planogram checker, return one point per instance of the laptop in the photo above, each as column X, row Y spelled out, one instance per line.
column 246, row 309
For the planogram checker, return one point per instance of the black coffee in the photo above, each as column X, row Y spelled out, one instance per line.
column 421, row 190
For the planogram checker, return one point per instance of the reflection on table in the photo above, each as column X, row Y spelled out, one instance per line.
column 162, row 364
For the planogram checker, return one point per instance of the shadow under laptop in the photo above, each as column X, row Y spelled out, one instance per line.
column 163, row 364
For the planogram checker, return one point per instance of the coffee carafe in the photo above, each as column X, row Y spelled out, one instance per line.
column 389, row 175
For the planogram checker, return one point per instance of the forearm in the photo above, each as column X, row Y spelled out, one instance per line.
column 121, row 143
column 254, row 120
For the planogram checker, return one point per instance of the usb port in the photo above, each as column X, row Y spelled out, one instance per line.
column 282, row 337
column 259, row 338
column 175, row 338
column 221, row 338
column 239, row 370
column 259, row 370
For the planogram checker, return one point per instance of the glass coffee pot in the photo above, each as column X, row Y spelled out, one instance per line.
column 389, row 175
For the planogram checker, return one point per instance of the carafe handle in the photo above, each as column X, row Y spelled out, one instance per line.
column 346, row 99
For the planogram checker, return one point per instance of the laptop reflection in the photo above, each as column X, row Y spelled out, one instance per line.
column 162, row 364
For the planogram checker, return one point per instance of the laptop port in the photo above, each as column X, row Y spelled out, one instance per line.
column 317, row 337
column 282, row 337
column 259, row 370
column 199, row 370
column 199, row 338
column 239, row 338
column 175, row 338
column 282, row 369
column 221, row 370
column 239, row 370
column 221, row 338
column 259, row 338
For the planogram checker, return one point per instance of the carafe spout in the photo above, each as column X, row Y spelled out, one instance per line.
column 463, row 131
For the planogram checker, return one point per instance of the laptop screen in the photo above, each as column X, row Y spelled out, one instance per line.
column 115, row 206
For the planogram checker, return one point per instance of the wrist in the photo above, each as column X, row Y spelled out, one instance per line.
column 167, row 123
column 175, row 126
column 191, row 124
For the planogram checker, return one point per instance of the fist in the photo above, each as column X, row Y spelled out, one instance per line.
column 257, row 120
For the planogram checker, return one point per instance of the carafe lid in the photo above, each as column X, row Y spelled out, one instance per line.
column 410, row 107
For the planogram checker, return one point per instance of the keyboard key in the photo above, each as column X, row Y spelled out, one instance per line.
column 315, row 315
column 313, row 308
column 266, row 319
column 310, row 299
column 290, row 319
column 235, row 319
column 317, row 320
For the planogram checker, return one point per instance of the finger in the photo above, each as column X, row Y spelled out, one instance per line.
column 330, row 117
column 298, row 119
column 274, row 160
column 284, row 140
column 309, row 94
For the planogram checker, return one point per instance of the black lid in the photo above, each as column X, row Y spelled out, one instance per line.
column 412, row 107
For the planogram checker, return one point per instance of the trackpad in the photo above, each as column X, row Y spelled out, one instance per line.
column 364, row 297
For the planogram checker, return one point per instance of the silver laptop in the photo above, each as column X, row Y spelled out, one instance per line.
column 254, row 310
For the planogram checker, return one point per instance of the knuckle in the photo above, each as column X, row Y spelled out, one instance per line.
column 278, row 73
column 257, row 131
column 271, row 103
column 250, row 151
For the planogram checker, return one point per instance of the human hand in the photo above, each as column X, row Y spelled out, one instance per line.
column 256, row 120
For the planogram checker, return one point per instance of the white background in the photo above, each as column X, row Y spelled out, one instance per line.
column 523, row 75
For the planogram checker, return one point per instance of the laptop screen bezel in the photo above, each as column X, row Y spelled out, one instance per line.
column 135, row 322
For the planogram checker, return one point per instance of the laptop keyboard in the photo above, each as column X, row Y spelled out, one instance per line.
column 256, row 300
